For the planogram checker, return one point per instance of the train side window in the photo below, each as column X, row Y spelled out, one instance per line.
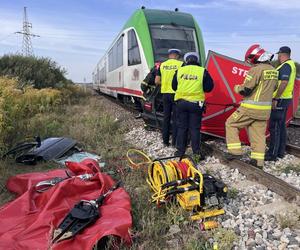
column 134, row 56
column 98, row 75
column 119, row 59
column 102, row 73
column 115, row 55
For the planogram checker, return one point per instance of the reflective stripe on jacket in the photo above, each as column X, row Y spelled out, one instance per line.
column 262, row 80
column 288, row 92
column 190, row 83
column 167, row 70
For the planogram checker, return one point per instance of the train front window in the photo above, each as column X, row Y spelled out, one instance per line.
column 165, row 37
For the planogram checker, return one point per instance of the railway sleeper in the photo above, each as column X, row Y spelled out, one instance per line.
column 287, row 191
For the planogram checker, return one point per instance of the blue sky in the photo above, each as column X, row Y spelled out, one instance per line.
column 76, row 33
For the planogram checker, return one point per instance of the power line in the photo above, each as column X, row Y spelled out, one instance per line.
column 27, row 49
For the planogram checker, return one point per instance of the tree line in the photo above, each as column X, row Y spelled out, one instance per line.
column 39, row 72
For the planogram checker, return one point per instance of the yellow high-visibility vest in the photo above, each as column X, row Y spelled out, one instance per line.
column 288, row 92
column 190, row 83
column 167, row 70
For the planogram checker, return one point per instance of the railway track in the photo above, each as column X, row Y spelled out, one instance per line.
column 295, row 123
column 287, row 191
column 128, row 106
column 293, row 136
column 293, row 150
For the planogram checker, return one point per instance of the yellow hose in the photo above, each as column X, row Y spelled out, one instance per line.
column 136, row 165
column 160, row 172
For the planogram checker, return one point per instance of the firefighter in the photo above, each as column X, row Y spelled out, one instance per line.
column 189, row 83
column 282, row 100
column 148, row 84
column 148, row 87
column 254, row 111
column 164, row 78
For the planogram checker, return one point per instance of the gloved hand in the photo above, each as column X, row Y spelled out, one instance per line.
column 274, row 103
column 236, row 89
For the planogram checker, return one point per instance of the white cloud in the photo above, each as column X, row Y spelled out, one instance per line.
column 207, row 5
column 255, row 4
column 269, row 4
column 235, row 45
column 75, row 48
column 54, row 37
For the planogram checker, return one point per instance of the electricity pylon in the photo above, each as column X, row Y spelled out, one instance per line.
column 27, row 49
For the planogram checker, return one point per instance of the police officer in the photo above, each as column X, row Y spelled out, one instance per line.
column 254, row 111
column 282, row 100
column 189, row 83
column 164, row 78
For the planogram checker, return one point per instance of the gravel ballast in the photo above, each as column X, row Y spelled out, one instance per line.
column 261, row 218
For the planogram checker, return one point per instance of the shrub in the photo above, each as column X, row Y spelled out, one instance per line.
column 19, row 105
column 39, row 72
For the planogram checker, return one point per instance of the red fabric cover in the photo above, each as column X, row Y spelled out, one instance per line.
column 28, row 221
column 222, row 101
column 19, row 184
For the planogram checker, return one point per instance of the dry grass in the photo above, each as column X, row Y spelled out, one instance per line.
column 90, row 122
column 86, row 122
column 290, row 219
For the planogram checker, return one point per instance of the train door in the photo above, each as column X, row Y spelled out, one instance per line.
column 133, row 65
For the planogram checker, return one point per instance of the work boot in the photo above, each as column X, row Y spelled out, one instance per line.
column 231, row 157
column 280, row 156
column 178, row 153
column 270, row 158
column 253, row 162
column 139, row 116
column 197, row 157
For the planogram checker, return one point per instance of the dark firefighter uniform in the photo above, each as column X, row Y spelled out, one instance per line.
column 148, row 84
column 190, row 82
column 287, row 72
column 254, row 111
column 166, row 72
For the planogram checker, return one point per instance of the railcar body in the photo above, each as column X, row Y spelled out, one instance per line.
column 144, row 39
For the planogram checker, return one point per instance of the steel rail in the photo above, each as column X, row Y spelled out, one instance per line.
column 116, row 101
column 293, row 149
column 287, row 191
column 295, row 123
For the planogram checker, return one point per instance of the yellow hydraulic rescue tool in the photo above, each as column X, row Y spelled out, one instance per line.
column 172, row 177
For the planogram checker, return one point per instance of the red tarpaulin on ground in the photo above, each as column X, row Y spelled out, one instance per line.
column 223, row 101
column 28, row 221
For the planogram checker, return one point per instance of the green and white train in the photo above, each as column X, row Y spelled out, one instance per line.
column 144, row 40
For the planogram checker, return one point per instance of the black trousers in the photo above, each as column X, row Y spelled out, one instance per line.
column 278, row 129
column 169, row 115
column 189, row 116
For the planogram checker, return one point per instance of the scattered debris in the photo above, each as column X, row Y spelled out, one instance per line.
column 251, row 213
column 47, row 209
column 59, row 149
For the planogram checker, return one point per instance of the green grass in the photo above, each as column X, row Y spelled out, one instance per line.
column 292, row 167
column 224, row 238
column 233, row 193
column 295, row 167
column 85, row 121
column 290, row 219
column 89, row 122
